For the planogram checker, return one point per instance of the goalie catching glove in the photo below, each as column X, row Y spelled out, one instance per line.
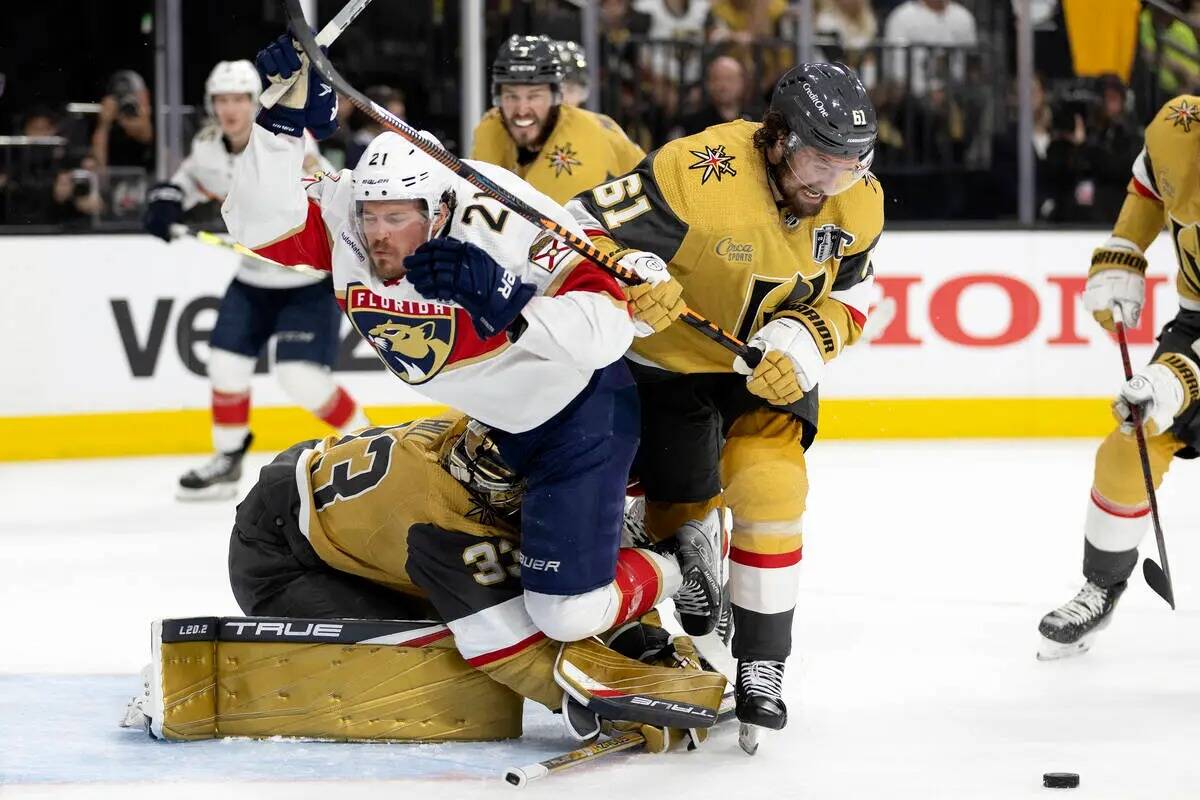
column 659, row 301
column 790, row 366
column 1117, row 277
column 1162, row 389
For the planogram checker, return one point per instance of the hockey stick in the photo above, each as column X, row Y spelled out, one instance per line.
column 213, row 240
column 326, row 37
column 1158, row 578
column 321, row 62
column 521, row 776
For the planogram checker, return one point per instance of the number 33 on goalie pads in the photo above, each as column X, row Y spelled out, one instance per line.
column 349, row 680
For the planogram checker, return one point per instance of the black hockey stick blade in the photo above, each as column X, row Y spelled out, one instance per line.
column 1157, row 580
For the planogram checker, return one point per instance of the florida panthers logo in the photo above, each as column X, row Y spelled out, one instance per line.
column 412, row 338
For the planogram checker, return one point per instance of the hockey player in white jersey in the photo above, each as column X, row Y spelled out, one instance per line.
column 261, row 301
column 481, row 310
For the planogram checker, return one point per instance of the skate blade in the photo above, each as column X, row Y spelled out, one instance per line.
column 748, row 738
column 1050, row 650
column 218, row 491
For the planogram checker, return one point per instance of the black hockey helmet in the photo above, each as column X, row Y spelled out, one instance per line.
column 527, row 59
column 574, row 61
column 826, row 107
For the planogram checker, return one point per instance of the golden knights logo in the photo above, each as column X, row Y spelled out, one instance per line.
column 714, row 162
column 1184, row 115
column 562, row 159
column 412, row 338
column 828, row 242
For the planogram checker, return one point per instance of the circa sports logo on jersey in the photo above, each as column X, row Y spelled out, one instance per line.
column 714, row 162
column 828, row 242
column 562, row 159
column 412, row 338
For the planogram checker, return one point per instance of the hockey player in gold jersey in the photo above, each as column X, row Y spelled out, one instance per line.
column 1163, row 191
column 559, row 149
column 420, row 520
column 769, row 229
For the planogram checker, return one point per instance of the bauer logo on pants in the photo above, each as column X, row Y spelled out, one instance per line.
column 412, row 338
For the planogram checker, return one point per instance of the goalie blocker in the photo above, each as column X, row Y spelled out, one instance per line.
column 347, row 680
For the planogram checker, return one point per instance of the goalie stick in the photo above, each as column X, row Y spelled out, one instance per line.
column 302, row 34
column 1157, row 578
column 326, row 37
column 522, row 776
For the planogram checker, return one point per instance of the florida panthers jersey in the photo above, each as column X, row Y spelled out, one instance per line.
column 576, row 323
column 206, row 175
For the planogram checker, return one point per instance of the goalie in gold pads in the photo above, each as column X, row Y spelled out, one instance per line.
column 1163, row 191
column 557, row 148
column 767, row 230
column 418, row 519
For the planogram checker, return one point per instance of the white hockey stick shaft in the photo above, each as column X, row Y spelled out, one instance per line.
column 326, row 37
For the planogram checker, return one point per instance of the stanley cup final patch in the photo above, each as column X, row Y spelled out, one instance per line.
column 829, row 241
column 412, row 338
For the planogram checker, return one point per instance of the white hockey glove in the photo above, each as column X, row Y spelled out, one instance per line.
column 791, row 364
column 1117, row 277
column 659, row 301
column 1162, row 389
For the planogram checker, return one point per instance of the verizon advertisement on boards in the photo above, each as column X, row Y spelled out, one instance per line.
column 121, row 323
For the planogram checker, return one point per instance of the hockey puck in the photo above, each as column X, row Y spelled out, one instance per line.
column 1060, row 780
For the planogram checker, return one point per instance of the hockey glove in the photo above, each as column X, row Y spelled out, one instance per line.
column 460, row 272
column 308, row 102
column 791, row 364
column 1117, row 277
column 1163, row 389
column 164, row 208
column 659, row 301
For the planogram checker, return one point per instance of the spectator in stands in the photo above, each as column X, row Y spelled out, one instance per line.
column 124, row 134
column 742, row 26
column 1068, row 168
column 40, row 122
column 853, row 24
column 620, row 74
column 1178, row 65
column 677, row 27
column 937, row 23
column 366, row 128
column 1115, row 139
column 724, row 94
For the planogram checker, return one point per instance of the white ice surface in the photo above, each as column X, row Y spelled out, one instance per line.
column 927, row 566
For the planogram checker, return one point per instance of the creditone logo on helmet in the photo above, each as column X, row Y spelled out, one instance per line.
column 413, row 339
column 817, row 102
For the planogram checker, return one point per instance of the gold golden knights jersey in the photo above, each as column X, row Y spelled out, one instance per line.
column 361, row 495
column 705, row 205
column 1165, row 189
column 584, row 149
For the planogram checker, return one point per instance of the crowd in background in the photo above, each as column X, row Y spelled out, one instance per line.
column 940, row 73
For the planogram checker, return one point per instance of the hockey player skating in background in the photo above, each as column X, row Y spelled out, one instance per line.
column 1162, row 191
column 557, row 148
column 384, row 522
column 575, row 81
column 483, row 311
column 262, row 301
column 769, row 227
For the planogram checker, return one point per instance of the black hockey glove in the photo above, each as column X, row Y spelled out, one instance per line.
column 164, row 208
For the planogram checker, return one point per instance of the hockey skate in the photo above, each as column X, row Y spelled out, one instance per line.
column 1068, row 630
column 217, row 479
column 698, row 601
column 759, row 695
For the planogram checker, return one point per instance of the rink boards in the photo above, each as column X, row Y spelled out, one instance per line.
column 106, row 341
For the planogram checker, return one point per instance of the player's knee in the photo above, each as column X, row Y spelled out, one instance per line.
column 1118, row 476
column 569, row 618
column 310, row 384
column 772, row 489
column 229, row 372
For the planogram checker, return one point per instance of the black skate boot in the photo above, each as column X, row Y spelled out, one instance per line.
column 698, row 601
column 759, row 695
column 1068, row 630
column 217, row 479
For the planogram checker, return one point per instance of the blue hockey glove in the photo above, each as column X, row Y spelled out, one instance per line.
column 308, row 103
column 164, row 208
column 447, row 269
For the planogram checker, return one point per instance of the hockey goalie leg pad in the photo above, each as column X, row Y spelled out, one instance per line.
column 328, row 679
column 619, row 688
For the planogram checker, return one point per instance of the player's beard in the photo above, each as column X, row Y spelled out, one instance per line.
column 794, row 194
column 533, row 136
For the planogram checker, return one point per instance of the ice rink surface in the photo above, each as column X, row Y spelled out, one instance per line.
column 927, row 567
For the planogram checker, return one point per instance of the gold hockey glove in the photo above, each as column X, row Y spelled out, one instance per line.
column 655, row 307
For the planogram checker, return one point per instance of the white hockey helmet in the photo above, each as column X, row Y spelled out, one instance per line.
column 232, row 77
column 392, row 168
